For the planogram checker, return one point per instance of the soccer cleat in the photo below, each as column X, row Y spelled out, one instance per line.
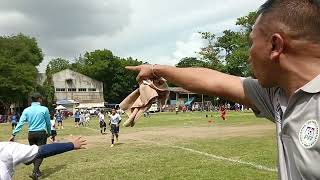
column 112, row 145
column 34, row 176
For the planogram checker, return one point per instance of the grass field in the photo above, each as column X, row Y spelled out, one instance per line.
column 166, row 146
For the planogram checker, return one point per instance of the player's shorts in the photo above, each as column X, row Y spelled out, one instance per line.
column 103, row 124
column 14, row 124
column 76, row 119
column 37, row 137
column 114, row 129
column 59, row 121
column 53, row 132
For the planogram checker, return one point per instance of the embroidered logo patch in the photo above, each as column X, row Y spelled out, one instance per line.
column 309, row 134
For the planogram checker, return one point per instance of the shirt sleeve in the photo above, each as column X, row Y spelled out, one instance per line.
column 22, row 153
column 23, row 119
column 48, row 122
column 4, row 173
column 260, row 97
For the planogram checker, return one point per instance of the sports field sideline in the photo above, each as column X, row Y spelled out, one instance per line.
column 166, row 146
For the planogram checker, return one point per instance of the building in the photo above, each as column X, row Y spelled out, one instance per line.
column 75, row 88
column 180, row 97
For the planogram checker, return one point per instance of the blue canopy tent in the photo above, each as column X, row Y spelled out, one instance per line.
column 188, row 103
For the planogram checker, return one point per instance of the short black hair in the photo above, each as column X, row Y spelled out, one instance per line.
column 301, row 16
column 35, row 96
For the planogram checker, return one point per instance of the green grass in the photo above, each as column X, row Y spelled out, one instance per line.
column 156, row 157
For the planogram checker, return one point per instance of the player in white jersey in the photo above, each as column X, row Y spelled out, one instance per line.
column 53, row 130
column 87, row 116
column 114, row 121
column 103, row 125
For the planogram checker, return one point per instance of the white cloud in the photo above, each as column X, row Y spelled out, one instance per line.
column 157, row 31
column 188, row 48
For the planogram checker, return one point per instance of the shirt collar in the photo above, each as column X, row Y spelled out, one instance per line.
column 313, row 86
column 35, row 104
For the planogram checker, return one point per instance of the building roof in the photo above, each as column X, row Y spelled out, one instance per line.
column 66, row 101
column 71, row 77
column 180, row 90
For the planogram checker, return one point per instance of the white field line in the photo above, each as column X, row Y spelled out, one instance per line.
column 256, row 166
column 93, row 129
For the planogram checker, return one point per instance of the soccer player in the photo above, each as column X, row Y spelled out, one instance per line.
column 53, row 130
column 223, row 111
column 114, row 121
column 87, row 118
column 102, row 123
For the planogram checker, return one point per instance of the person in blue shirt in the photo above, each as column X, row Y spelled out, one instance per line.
column 59, row 119
column 14, row 120
column 77, row 118
column 38, row 119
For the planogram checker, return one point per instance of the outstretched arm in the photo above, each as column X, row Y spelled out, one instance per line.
column 58, row 148
column 198, row 80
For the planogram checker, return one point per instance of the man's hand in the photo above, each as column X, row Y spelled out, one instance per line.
column 12, row 138
column 79, row 143
column 145, row 72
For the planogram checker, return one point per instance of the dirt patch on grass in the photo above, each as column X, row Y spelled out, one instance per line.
column 177, row 134
column 204, row 132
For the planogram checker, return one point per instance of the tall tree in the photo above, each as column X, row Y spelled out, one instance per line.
column 19, row 56
column 57, row 65
column 192, row 62
column 209, row 53
column 229, row 52
column 103, row 66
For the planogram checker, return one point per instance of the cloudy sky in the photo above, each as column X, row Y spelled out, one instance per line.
column 155, row 31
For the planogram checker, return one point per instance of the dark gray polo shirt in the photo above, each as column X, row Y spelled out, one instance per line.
column 297, row 124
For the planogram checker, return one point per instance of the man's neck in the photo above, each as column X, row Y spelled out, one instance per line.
column 298, row 73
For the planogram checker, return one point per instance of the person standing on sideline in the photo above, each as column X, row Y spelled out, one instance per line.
column 76, row 118
column 59, row 119
column 14, row 120
column 38, row 119
column 114, row 122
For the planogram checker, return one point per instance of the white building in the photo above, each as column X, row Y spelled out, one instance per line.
column 70, row 85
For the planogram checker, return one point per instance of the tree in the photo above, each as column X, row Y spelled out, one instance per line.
column 47, row 89
column 209, row 54
column 191, row 62
column 229, row 52
column 57, row 65
column 19, row 56
column 248, row 21
column 103, row 66
column 21, row 49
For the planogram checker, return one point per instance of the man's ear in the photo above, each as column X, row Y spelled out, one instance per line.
column 277, row 43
